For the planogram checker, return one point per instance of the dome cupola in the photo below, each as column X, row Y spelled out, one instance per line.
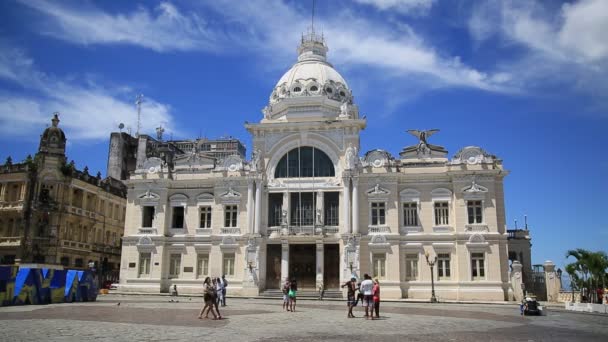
column 312, row 80
column 53, row 139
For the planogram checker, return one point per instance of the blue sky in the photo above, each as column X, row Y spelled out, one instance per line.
column 525, row 80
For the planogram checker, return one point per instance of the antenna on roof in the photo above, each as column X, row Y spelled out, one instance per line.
column 526, row 221
column 312, row 21
column 138, row 101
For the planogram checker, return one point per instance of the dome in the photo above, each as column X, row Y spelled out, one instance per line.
column 312, row 75
column 53, row 136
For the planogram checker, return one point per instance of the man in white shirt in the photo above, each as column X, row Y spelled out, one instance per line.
column 366, row 288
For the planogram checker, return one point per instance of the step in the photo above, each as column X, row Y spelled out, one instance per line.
column 303, row 294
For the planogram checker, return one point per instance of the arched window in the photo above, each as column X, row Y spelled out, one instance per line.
column 305, row 161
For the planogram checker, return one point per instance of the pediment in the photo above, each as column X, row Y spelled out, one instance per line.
column 474, row 188
column 409, row 195
column 232, row 163
column 378, row 191
column 194, row 160
column 149, row 196
column 205, row 197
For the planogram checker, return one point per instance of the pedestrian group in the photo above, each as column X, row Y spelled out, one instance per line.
column 214, row 295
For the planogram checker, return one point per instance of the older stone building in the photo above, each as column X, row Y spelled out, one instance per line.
column 309, row 206
column 52, row 213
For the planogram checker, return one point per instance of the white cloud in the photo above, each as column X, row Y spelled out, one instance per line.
column 403, row 6
column 576, row 33
column 164, row 29
column 396, row 52
column 88, row 111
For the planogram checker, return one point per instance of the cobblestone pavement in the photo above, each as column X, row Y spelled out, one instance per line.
column 155, row 318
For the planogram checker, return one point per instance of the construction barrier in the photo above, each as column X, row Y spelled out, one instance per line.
column 24, row 285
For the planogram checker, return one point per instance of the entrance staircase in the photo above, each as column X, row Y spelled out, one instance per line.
column 304, row 293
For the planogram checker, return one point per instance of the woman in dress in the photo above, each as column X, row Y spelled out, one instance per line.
column 218, row 295
column 208, row 299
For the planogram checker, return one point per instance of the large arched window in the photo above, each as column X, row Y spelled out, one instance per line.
column 305, row 161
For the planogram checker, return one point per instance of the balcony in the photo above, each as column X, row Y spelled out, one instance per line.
column 230, row 231
column 476, row 228
column 203, row 231
column 147, row 230
column 81, row 246
column 10, row 241
column 379, row 230
column 14, row 205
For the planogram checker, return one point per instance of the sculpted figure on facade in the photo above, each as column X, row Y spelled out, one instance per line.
column 351, row 157
column 344, row 110
column 256, row 157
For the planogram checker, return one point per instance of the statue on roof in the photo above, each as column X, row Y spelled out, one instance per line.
column 423, row 147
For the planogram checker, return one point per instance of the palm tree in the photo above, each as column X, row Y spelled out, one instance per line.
column 591, row 266
column 575, row 281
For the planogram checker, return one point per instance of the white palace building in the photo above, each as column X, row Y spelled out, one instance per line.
column 309, row 206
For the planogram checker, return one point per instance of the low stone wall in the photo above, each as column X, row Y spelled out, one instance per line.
column 566, row 296
column 587, row 307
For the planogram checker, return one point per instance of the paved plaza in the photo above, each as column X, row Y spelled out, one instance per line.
column 155, row 318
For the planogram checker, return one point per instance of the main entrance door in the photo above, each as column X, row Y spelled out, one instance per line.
column 273, row 267
column 331, row 266
column 302, row 265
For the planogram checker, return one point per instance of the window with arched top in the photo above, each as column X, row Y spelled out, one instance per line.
column 305, row 161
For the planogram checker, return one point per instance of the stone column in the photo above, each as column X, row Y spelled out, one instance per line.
column 319, row 217
column 355, row 206
column 551, row 281
column 258, row 206
column 3, row 192
column 284, row 261
column 250, row 205
column 287, row 207
column 346, row 207
column 22, row 194
column 517, row 281
column 320, row 263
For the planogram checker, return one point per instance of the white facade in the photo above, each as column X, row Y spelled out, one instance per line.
column 309, row 206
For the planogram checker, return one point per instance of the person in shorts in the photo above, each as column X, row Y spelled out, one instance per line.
column 285, row 290
column 366, row 288
column 293, row 290
column 351, row 287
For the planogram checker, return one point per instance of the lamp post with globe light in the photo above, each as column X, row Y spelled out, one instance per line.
column 431, row 263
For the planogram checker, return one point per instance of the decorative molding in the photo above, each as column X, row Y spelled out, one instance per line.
column 474, row 191
column 410, row 195
column 472, row 155
column 205, row 197
column 441, row 194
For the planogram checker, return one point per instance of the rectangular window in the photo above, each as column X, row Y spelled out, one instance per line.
column 442, row 212
column 410, row 214
column 205, row 221
column 144, row 264
column 443, row 266
column 332, row 208
column 474, row 210
column 303, row 206
column 275, row 209
column 477, row 266
column 202, row 265
column 178, row 217
column 230, row 216
column 175, row 263
column 228, row 268
column 378, row 213
column 411, row 266
column 379, row 265
column 148, row 217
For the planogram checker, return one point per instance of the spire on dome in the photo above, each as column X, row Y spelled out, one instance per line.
column 312, row 45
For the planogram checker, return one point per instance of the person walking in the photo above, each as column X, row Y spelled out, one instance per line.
column 293, row 290
column 321, row 290
column 366, row 288
column 376, row 295
column 285, row 289
column 351, row 287
column 207, row 299
column 216, row 300
column 219, row 291
column 224, row 287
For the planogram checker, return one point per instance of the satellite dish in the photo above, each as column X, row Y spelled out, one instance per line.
column 121, row 126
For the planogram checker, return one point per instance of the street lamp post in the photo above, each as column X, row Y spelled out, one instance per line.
column 432, row 264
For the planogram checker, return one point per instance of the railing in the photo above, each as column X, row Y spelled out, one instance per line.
column 230, row 231
column 379, row 229
column 302, row 230
column 147, row 230
column 203, row 231
column 10, row 241
column 76, row 245
column 17, row 205
column 476, row 228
